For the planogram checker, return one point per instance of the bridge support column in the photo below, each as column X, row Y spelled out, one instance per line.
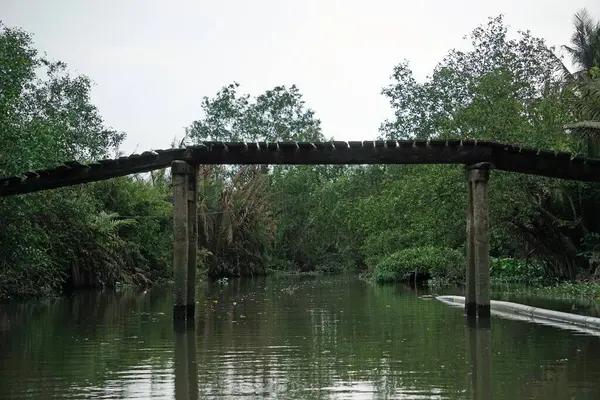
column 179, row 175
column 477, row 299
column 192, row 220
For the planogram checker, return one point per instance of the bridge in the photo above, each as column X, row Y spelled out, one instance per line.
column 479, row 157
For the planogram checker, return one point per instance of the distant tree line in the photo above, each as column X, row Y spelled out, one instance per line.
column 385, row 220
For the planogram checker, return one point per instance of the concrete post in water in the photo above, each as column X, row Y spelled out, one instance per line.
column 470, row 305
column 192, row 210
column 478, row 241
column 179, row 174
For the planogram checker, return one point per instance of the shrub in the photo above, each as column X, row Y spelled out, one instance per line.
column 76, row 237
column 439, row 262
column 510, row 270
column 377, row 245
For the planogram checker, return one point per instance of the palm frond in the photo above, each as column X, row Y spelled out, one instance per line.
column 228, row 225
column 584, row 50
column 584, row 125
column 108, row 222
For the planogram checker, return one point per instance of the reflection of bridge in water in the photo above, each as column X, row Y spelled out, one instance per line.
column 479, row 357
column 186, row 372
column 334, row 338
column 478, row 352
column 478, row 157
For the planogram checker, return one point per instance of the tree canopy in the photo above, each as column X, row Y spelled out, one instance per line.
column 384, row 220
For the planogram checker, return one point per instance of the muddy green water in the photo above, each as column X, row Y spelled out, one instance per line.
column 327, row 338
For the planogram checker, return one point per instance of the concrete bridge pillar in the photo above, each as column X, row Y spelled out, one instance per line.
column 192, row 266
column 477, row 299
column 185, row 234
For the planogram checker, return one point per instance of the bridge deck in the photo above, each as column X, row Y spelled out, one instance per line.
column 504, row 157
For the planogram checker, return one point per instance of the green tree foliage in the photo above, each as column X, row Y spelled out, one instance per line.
column 235, row 222
column 391, row 219
column 45, row 121
column 584, row 50
column 504, row 90
column 443, row 263
column 276, row 115
column 585, row 43
column 316, row 220
column 68, row 237
column 255, row 217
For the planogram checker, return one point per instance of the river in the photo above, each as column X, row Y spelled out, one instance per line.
column 285, row 338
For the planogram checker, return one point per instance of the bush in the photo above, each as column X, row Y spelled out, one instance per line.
column 377, row 245
column 510, row 270
column 75, row 237
column 39, row 238
column 439, row 262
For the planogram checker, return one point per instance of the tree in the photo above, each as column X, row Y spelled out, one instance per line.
column 239, row 208
column 585, row 56
column 505, row 90
column 479, row 94
column 45, row 121
column 276, row 115
column 71, row 236
column 585, row 43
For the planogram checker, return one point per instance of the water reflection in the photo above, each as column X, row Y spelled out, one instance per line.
column 186, row 374
column 328, row 338
column 479, row 356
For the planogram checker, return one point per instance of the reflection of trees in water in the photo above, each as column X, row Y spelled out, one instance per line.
column 326, row 333
column 375, row 335
column 557, row 376
column 87, row 339
column 331, row 333
column 526, row 358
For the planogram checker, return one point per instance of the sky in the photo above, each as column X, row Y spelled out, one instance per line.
column 152, row 61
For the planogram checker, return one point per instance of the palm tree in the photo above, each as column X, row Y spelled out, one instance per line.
column 585, row 43
column 234, row 220
column 585, row 56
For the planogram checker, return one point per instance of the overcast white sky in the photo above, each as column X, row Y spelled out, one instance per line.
column 152, row 61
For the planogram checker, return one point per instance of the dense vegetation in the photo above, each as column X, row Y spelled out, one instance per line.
column 391, row 220
column 72, row 237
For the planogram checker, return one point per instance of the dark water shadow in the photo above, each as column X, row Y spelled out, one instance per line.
column 186, row 373
column 479, row 356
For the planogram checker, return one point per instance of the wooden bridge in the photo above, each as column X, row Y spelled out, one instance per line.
column 479, row 157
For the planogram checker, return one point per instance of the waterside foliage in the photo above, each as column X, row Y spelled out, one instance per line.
column 387, row 220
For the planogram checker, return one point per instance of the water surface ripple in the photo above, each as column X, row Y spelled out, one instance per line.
column 285, row 338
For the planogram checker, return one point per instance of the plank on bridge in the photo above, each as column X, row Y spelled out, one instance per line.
column 502, row 156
